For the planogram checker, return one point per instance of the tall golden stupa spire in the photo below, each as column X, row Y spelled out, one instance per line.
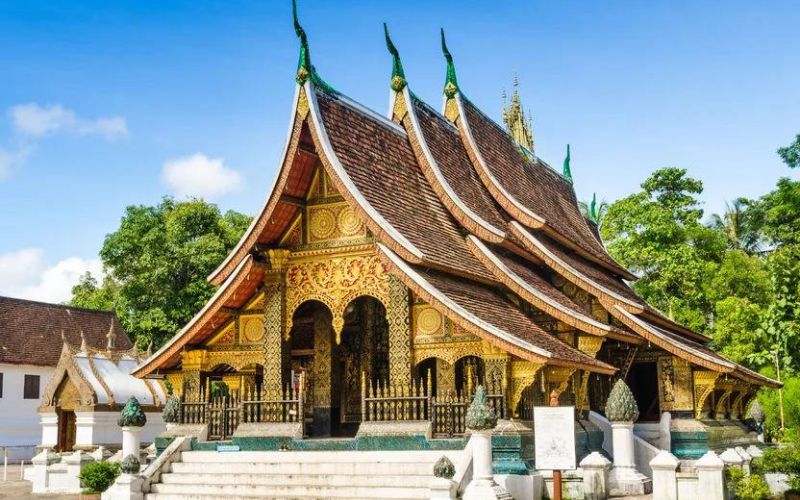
column 517, row 124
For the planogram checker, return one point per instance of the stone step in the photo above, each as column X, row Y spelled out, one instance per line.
column 333, row 480
column 317, row 456
column 246, row 490
column 169, row 496
column 319, row 468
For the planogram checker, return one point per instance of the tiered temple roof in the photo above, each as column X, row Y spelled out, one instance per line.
column 463, row 214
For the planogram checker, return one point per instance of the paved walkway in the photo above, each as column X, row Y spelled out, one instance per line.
column 15, row 489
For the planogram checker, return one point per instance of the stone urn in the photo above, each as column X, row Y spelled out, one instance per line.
column 622, row 412
column 480, row 420
column 131, row 419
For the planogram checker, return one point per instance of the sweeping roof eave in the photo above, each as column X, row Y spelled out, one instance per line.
column 557, row 212
column 480, row 311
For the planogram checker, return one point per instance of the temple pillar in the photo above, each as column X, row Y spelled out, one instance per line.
column 398, row 315
column 192, row 363
column 274, row 321
column 321, row 372
column 496, row 376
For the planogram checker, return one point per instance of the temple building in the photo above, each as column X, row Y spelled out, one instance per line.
column 402, row 259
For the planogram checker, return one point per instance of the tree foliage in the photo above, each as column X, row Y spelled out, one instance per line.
column 157, row 263
column 791, row 153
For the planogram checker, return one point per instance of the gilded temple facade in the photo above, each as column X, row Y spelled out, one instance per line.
column 401, row 260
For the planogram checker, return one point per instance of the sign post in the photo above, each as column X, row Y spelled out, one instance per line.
column 554, row 440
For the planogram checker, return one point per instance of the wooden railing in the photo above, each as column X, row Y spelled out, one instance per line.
column 223, row 413
column 386, row 402
column 447, row 413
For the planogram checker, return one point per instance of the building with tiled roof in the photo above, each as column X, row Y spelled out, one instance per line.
column 400, row 259
column 32, row 335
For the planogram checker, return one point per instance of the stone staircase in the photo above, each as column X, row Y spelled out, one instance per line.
column 208, row 475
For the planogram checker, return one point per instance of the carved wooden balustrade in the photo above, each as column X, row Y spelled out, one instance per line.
column 382, row 403
column 224, row 413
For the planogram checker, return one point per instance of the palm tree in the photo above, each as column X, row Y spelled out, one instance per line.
column 739, row 224
column 593, row 211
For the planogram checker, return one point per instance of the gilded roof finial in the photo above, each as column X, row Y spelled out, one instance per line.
column 450, row 84
column 83, row 342
column 518, row 127
column 567, row 171
column 304, row 68
column 149, row 351
column 112, row 337
column 398, row 75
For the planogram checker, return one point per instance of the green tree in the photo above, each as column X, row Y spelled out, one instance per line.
column 791, row 153
column 657, row 233
column 781, row 213
column 157, row 263
column 741, row 224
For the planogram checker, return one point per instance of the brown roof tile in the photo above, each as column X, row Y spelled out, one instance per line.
column 535, row 185
column 380, row 162
column 444, row 142
column 30, row 332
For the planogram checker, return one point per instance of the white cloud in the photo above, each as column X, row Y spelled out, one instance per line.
column 26, row 274
column 201, row 176
column 35, row 120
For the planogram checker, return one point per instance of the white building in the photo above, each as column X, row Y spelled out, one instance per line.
column 30, row 347
column 83, row 399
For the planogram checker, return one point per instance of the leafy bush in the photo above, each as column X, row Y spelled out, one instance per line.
column 98, row 476
column 744, row 487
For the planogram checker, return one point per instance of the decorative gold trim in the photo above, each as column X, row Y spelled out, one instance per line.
column 704, row 382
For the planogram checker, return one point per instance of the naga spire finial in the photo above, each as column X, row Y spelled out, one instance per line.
column 450, row 84
column 84, row 347
column 111, row 337
column 567, row 170
column 398, row 75
column 304, row 67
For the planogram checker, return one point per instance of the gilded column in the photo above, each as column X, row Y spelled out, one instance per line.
column 274, row 321
column 321, row 372
column 192, row 363
column 398, row 315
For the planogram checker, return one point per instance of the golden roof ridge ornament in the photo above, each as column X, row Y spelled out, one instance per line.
column 398, row 81
column 518, row 126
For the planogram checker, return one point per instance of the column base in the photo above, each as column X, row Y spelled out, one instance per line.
column 486, row 489
column 625, row 481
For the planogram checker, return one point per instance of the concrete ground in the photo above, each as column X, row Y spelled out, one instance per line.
column 16, row 489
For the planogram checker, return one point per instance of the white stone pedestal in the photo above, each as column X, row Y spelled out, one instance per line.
column 595, row 469
column 131, row 441
column 483, row 486
column 624, row 479
column 710, row 481
column 49, row 422
column 442, row 488
column 126, row 487
column 665, row 479
column 40, row 476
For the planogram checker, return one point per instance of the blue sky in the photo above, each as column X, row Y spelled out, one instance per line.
column 105, row 104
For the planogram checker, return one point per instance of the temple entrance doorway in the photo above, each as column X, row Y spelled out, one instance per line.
column 643, row 381
column 333, row 372
column 66, row 430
